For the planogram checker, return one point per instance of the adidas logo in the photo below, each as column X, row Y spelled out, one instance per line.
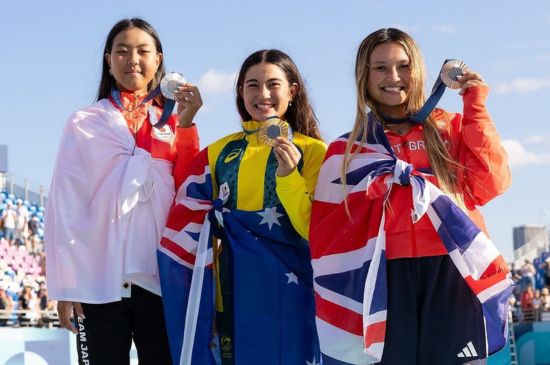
column 468, row 351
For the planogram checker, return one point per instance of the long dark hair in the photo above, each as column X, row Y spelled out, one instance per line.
column 300, row 115
column 107, row 80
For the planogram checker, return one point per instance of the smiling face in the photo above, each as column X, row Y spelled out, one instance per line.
column 266, row 91
column 389, row 78
column 133, row 60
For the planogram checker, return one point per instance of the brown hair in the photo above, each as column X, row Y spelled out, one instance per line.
column 443, row 165
column 300, row 115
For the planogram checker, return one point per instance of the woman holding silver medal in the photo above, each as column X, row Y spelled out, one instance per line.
column 410, row 277
column 119, row 163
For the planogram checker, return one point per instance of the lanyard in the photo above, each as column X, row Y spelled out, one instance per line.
column 155, row 122
column 437, row 92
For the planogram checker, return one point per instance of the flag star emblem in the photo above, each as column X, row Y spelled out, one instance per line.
column 270, row 216
column 292, row 278
column 313, row 362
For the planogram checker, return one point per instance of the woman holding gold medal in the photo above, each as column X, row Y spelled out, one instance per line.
column 252, row 191
column 119, row 163
column 410, row 276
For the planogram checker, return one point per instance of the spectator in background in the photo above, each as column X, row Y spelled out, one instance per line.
column 26, row 299
column 527, row 297
column 516, row 277
column 546, row 267
column 6, row 303
column 41, row 257
column 528, row 272
column 537, row 304
column 45, row 304
column 545, row 299
column 27, row 302
column 9, row 218
column 34, row 237
column 21, row 222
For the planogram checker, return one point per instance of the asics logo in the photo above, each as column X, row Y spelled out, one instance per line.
column 233, row 155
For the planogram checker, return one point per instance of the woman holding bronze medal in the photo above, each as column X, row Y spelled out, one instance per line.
column 118, row 166
column 252, row 190
column 409, row 276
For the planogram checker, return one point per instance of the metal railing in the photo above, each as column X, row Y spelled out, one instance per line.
column 23, row 188
column 28, row 318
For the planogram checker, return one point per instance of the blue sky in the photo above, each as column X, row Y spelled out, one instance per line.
column 52, row 52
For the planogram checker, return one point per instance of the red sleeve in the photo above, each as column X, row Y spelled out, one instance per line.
column 187, row 147
column 486, row 173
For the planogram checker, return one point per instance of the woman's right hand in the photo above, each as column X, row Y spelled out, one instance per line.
column 468, row 79
column 65, row 311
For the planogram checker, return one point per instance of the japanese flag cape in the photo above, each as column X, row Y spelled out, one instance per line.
column 106, row 209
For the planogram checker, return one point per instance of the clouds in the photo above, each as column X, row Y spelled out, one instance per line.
column 523, row 85
column 520, row 156
column 535, row 139
column 216, row 82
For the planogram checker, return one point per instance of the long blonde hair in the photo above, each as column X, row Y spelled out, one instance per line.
column 443, row 165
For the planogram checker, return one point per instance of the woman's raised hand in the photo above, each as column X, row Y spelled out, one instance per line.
column 287, row 155
column 189, row 101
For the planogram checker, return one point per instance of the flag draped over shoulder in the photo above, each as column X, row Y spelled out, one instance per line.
column 349, row 254
column 177, row 258
column 106, row 210
column 274, row 320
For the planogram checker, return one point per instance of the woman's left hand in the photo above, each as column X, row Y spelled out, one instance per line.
column 189, row 101
column 469, row 79
column 287, row 156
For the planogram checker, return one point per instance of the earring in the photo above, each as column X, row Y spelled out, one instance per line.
column 110, row 72
column 290, row 103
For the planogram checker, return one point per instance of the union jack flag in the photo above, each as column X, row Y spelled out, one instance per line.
column 349, row 263
column 274, row 309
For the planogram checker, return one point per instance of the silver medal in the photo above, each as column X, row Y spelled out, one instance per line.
column 170, row 83
column 449, row 72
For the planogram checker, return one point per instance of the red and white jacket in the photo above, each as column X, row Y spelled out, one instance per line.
column 171, row 143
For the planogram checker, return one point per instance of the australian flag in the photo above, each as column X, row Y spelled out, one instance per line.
column 274, row 309
column 349, row 262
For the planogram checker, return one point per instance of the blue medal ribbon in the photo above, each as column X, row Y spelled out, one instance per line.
column 420, row 116
column 166, row 112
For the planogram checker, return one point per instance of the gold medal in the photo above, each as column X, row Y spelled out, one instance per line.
column 273, row 128
column 449, row 72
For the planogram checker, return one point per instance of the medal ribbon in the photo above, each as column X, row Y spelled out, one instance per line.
column 420, row 116
column 155, row 122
